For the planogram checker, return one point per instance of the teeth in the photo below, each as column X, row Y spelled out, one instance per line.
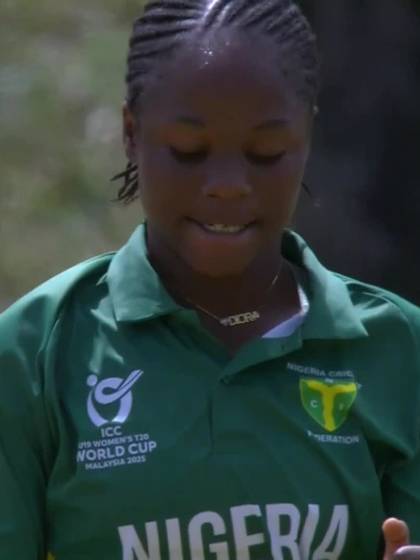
column 223, row 228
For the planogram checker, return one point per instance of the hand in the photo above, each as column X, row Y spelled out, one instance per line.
column 397, row 539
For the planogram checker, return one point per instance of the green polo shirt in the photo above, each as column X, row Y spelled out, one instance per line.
column 127, row 432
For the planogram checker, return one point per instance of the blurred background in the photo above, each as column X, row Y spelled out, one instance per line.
column 62, row 70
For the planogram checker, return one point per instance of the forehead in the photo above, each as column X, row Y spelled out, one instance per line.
column 226, row 76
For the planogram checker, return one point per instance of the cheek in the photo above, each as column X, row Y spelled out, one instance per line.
column 163, row 186
column 154, row 170
column 280, row 190
column 293, row 168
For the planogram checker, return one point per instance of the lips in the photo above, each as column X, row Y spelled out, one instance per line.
column 224, row 228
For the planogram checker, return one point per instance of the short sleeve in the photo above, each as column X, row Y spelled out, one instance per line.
column 25, row 440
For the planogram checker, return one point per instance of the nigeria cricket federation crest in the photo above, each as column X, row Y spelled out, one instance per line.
column 328, row 401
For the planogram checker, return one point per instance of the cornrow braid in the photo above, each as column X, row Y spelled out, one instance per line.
column 166, row 24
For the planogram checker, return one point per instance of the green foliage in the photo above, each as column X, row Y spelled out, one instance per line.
column 61, row 90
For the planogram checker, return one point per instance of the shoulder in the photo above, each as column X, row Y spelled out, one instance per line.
column 382, row 310
column 34, row 315
column 26, row 332
column 385, row 305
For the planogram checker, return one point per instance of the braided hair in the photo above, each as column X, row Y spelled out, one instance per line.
column 165, row 24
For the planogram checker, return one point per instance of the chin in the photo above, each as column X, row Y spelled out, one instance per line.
column 219, row 255
column 217, row 267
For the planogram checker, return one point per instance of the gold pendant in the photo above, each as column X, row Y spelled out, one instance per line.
column 240, row 319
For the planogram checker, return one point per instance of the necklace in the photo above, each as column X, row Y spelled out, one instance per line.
column 239, row 318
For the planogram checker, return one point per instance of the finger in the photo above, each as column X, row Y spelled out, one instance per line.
column 408, row 553
column 396, row 536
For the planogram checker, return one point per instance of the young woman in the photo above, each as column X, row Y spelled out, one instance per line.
column 211, row 390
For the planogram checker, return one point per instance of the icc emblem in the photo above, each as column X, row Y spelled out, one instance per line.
column 328, row 402
column 109, row 391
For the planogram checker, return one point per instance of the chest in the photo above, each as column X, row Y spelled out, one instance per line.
column 162, row 455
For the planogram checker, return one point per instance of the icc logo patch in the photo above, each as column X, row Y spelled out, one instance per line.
column 328, row 402
column 111, row 391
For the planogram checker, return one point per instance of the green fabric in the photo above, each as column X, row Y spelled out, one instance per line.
column 127, row 432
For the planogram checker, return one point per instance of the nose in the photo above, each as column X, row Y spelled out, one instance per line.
column 227, row 180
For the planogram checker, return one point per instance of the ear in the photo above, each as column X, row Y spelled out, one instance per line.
column 129, row 133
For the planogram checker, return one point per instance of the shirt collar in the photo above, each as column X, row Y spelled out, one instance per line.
column 137, row 293
column 332, row 313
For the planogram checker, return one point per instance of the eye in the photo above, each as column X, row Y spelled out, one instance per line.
column 265, row 160
column 196, row 156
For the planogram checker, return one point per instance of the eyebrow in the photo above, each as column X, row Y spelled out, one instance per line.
column 197, row 123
